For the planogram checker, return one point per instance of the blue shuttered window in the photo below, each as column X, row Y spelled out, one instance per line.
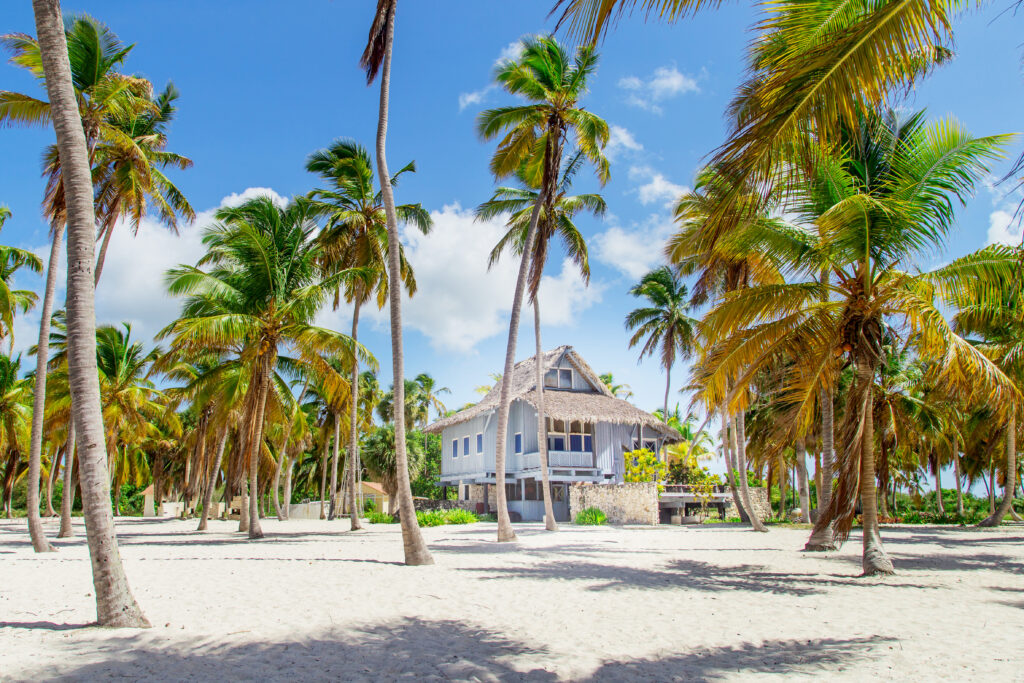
column 455, row 448
column 519, row 443
column 465, row 445
column 479, row 443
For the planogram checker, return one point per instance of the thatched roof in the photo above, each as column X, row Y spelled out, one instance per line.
column 562, row 404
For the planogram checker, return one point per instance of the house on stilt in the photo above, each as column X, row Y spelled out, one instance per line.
column 588, row 430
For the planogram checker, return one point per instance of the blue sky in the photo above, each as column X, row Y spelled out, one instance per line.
column 265, row 83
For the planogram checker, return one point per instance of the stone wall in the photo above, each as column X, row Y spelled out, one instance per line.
column 622, row 503
column 758, row 498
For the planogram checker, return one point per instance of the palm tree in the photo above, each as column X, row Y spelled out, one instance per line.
column 556, row 218
column 428, row 396
column 356, row 236
column 377, row 59
column 129, row 171
column 14, row 420
column 994, row 318
column 532, row 148
column 813, row 65
column 115, row 604
column 379, row 450
column 623, row 391
column 663, row 327
column 261, row 289
column 893, row 185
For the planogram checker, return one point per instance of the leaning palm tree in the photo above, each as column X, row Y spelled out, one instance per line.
column 811, row 65
column 535, row 135
column 382, row 464
column 894, row 184
column 377, row 59
column 261, row 289
column 114, row 601
column 556, row 219
column 994, row 318
column 356, row 236
column 663, row 327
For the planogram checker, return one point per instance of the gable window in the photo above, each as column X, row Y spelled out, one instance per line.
column 564, row 378
column 551, row 378
column 455, row 448
column 479, row 443
column 518, row 440
column 465, row 445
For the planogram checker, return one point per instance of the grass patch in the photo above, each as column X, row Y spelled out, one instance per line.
column 442, row 517
column 375, row 517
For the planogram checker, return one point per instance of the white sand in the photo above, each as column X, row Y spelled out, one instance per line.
column 313, row 602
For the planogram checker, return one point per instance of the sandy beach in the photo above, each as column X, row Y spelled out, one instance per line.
column 713, row 603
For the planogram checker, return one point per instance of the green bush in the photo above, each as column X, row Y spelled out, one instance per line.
column 591, row 517
column 375, row 517
column 441, row 517
column 370, row 505
column 489, row 517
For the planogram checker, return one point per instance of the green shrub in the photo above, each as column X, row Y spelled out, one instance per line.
column 441, row 517
column 375, row 517
column 591, row 517
column 370, row 505
column 489, row 517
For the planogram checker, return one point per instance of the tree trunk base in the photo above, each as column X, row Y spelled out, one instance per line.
column 821, row 542
column 507, row 536
column 130, row 618
column 550, row 525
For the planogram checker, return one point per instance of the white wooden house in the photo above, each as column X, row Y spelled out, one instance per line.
column 588, row 430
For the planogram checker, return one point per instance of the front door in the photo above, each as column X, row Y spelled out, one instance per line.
column 560, row 502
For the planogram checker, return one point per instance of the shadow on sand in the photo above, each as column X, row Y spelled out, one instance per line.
column 430, row 650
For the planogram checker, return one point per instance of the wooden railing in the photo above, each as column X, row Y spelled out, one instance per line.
column 560, row 459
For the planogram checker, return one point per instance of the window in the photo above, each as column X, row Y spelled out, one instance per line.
column 514, row 491
column 556, row 442
column 557, row 494
column 551, row 378
column 518, row 440
column 465, row 445
column 479, row 443
column 588, row 443
column 579, row 438
column 455, row 448
column 565, row 378
column 576, row 442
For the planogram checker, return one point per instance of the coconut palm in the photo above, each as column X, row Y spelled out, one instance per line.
column 356, row 236
column 377, row 59
column 663, row 327
column 381, row 463
column 893, row 185
column 15, row 393
column 129, row 174
column 428, row 397
column 114, row 602
column 534, row 137
column 623, row 391
column 812, row 65
column 556, row 219
column 260, row 289
column 992, row 315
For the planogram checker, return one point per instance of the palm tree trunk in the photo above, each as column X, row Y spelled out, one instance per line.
column 416, row 552
column 35, row 526
column 334, row 511
column 255, row 446
column 827, row 448
column 115, row 605
column 211, row 481
column 278, row 466
column 103, row 253
column 67, row 500
column 353, row 440
column 955, row 453
column 817, row 480
column 938, row 486
column 1010, row 485
column 802, row 483
column 55, row 463
column 875, row 560
column 730, row 470
column 323, row 482
column 740, row 445
column 288, row 488
column 542, row 424
column 783, row 481
column 991, row 486
column 282, row 450
column 668, row 385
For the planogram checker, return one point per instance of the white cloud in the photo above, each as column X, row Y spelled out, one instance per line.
column 511, row 52
column 665, row 83
column 658, row 188
column 468, row 99
column 459, row 302
column 238, row 198
column 1003, row 229
column 636, row 249
column 620, row 140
